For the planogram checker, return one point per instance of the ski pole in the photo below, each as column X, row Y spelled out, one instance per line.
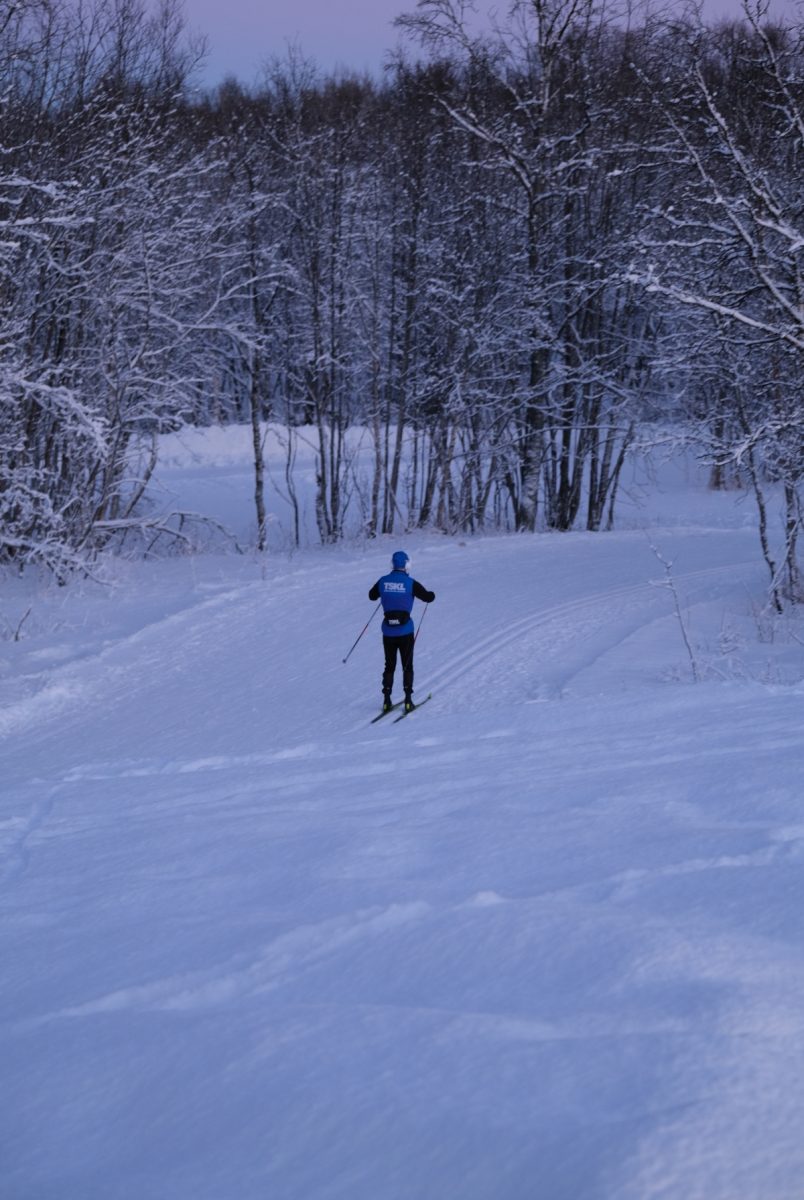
column 420, row 623
column 365, row 627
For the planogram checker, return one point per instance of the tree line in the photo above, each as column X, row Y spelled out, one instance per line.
column 502, row 263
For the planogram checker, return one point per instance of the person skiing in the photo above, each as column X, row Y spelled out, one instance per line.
column 397, row 592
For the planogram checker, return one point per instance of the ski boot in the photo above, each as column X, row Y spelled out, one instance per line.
column 409, row 705
column 387, row 703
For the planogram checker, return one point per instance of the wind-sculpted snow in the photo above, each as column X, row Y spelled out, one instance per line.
column 541, row 940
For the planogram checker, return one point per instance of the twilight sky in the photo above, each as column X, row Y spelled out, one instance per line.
column 243, row 34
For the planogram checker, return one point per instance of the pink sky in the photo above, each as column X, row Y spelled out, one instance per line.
column 243, row 34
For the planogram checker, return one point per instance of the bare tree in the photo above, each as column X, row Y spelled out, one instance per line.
column 730, row 245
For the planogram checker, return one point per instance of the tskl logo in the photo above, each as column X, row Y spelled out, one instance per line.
column 393, row 587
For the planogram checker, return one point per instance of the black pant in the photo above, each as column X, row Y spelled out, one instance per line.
column 404, row 645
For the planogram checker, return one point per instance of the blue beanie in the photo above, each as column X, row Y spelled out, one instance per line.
column 399, row 560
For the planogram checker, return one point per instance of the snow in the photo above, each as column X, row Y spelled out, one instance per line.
column 542, row 939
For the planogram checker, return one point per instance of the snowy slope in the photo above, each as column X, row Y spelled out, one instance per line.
column 539, row 941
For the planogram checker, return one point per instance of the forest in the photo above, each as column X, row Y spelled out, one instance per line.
column 508, row 261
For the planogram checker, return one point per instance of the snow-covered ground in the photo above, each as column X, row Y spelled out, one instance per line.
column 542, row 940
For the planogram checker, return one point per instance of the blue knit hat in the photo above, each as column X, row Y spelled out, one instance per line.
column 400, row 560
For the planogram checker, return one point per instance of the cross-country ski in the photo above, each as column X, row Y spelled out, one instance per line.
column 414, row 708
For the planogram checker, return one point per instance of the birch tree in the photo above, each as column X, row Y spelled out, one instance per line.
column 531, row 107
column 730, row 246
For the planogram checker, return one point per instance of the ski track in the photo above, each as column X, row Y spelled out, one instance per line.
column 568, row 623
column 62, row 692
column 560, row 625
column 67, row 691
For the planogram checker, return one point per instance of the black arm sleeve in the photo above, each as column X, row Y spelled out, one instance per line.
column 374, row 594
column 421, row 593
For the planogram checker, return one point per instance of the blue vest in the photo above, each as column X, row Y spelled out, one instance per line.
column 396, row 595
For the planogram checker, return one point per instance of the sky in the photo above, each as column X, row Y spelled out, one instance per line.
column 243, row 34
column 357, row 34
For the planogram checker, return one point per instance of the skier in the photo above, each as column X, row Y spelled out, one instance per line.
column 397, row 592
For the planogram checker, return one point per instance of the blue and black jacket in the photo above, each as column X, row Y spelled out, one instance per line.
column 397, row 592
